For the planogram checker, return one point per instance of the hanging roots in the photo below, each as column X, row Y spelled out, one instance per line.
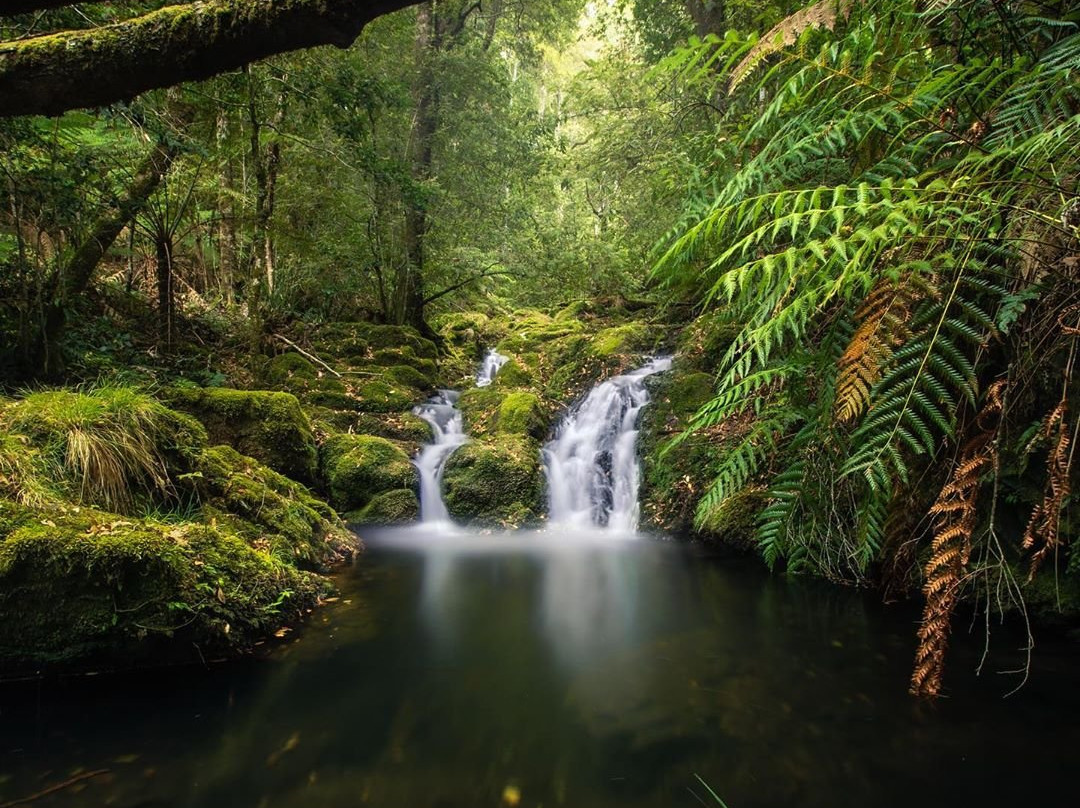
column 1042, row 527
column 954, row 516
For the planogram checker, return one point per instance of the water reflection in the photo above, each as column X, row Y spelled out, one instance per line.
column 574, row 670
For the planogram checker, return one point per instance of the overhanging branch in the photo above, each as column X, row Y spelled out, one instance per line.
column 47, row 75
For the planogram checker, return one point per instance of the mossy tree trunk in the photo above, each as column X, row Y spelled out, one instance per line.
column 50, row 74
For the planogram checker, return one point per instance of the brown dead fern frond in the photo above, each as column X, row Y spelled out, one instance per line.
column 883, row 325
column 954, row 515
column 822, row 14
column 1044, row 525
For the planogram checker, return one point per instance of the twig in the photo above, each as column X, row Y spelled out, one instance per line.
column 302, row 352
column 53, row 789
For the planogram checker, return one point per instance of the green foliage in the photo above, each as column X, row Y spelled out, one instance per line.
column 847, row 163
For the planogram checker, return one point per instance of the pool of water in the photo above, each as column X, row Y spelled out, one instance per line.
column 561, row 670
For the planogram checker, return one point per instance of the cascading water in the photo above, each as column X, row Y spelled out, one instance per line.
column 592, row 465
column 448, row 434
column 491, row 365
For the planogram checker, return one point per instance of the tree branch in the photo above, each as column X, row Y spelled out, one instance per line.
column 450, row 289
column 50, row 74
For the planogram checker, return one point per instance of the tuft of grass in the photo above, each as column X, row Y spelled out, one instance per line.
column 102, row 446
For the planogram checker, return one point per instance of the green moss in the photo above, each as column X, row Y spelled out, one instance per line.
column 495, row 482
column 270, row 510
column 522, row 414
column 377, row 395
column 513, row 374
column 410, row 377
column 624, row 339
column 390, row 508
column 89, row 586
column 359, row 467
column 360, row 340
column 271, row 427
column 575, row 310
column 734, row 519
column 290, row 370
column 480, row 409
column 672, row 480
column 403, row 427
column 293, row 373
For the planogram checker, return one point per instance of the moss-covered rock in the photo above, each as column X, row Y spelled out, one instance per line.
column 630, row 338
column 359, row 467
column 672, row 481
column 390, row 508
column 271, row 511
column 269, row 426
column 410, row 377
column 91, row 587
column 513, row 374
column 360, row 340
column 479, row 410
column 403, row 427
column 382, row 395
column 521, row 413
column 292, row 373
column 496, row 482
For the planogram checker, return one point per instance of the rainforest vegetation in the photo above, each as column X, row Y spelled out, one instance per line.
column 233, row 259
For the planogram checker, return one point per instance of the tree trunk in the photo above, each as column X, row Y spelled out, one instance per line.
column 709, row 16
column 424, row 125
column 50, row 74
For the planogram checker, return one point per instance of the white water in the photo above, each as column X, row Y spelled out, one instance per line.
column 592, row 465
column 448, row 435
column 491, row 365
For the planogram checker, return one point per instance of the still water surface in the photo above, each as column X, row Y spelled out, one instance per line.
column 560, row 670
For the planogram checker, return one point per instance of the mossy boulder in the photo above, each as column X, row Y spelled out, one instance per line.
column 292, row 373
column 480, row 409
column 90, row 587
column 362, row 340
column 631, row 338
column 272, row 512
column 513, row 374
column 357, row 468
column 521, row 413
column 390, row 508
column 403, row 427
column 382, row 395
column 269, row 426
column 410, row 377
column 495, row 482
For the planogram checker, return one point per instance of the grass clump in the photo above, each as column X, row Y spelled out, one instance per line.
column 112, row 447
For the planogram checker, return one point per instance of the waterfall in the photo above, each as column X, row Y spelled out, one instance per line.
column 448, row 435
column 591, row 464
column 491, row 364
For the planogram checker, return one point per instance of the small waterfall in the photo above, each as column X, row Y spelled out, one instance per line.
column 446, row 427
column 492, row 362
column 592, row 465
